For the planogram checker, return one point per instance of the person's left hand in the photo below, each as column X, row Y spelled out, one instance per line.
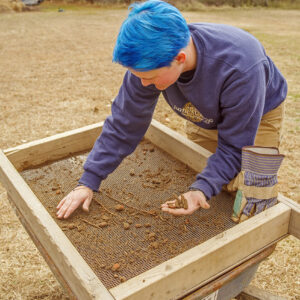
column 195, row 200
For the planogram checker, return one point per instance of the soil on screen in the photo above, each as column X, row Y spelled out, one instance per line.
column 125, row 232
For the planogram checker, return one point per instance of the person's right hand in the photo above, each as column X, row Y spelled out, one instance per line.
column 80, row 195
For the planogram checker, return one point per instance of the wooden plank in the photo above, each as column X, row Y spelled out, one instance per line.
column 220, row 281
column 175, row 276
column 53, row 148
column 63, row 144
column 294, row 225
column 43, row 252
column 79, row 276
column 178, row 146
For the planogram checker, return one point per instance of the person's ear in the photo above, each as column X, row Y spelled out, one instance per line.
column 181, row 57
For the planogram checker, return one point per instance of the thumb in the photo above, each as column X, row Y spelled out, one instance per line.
column 86, row 203
column 204, row 204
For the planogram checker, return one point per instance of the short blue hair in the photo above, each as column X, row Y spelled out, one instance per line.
column 151, row 36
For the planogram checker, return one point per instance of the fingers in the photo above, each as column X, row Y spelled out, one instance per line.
column 60, row 204
column 176, row 211
column 166, row 204
column 73, row 200
column 195, row 200
column 86, row 203
column 204, row 204
column 72, row 207
column 67, row 206
column 63, row 206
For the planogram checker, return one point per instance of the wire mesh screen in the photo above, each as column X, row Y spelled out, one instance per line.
column 125, row 233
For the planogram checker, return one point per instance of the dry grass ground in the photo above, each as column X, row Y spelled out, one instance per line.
column 56, row 74
column 12, row 6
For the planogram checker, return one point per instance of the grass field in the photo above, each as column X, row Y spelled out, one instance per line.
column 56, row 74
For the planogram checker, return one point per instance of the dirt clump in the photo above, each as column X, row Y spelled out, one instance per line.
column 103, row 224
column 151, row 236
column 156, row 179
column 126, row 225
column 119, row 207
column 105, row 218
column 154, row 245
column 180, row 202
column 115, row 267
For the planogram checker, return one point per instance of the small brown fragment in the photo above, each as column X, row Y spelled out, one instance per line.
column 172, row 205
column 155, row 181
column 105, row 218
column 71, row 226
column 58, row 192
column 126, row 225
column 147, row 225
column 116, row 276
column 119, row 207
column 180, row 202
column 152, row 236
column 154, row 245
column 187, row 221
column 177, row 203
column 115, row 267
column 103, row 224
column 122, row 278
column 132, row 172
column 138, row 225
column 185, row 203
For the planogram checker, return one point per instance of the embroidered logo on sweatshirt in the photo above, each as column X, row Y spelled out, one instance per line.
column 192, row 113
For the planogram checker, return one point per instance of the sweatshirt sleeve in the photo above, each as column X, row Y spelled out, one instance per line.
column 131, row 114
column 241, row 104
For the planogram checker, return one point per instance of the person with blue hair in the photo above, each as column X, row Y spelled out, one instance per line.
column 151, row 37
column 218, row 77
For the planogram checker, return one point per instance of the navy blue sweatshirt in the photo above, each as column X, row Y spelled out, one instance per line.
column 234, row 84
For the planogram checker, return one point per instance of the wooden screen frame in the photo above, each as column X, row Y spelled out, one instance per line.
column 189, row 270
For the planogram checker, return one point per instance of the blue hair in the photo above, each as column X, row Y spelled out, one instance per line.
column 151, row 36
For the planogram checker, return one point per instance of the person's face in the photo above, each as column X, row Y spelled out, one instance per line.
column 162, row 78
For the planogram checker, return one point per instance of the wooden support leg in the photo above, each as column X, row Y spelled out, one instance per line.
column 233, row 281
column 254, row 293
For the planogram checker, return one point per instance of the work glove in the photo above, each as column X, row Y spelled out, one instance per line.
column 257, row 182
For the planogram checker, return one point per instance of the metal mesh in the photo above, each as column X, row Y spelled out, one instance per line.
column 143, row 181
